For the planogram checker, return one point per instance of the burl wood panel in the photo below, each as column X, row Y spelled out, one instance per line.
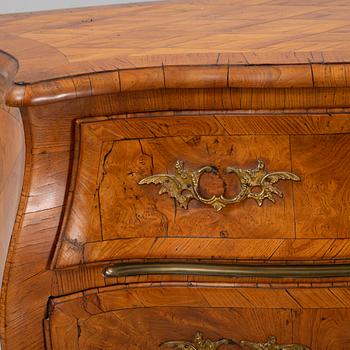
column 325, row 186
column 112, row 217
column 142, row 318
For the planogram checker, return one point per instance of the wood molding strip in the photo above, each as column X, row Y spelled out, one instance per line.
column 332, row 75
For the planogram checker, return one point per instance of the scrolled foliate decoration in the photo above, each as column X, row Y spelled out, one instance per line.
column 200, row 343
column 271, row 344
column 184, row 184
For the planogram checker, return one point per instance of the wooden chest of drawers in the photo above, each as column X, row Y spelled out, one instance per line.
column 176, row 175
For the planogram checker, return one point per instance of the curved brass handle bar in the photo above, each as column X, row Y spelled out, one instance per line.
column 199, row 343
column 184, row 184
column 228, row 270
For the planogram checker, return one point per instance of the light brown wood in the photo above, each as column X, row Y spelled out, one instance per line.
column 265, row 32
column 11, row 160
column 111, row 318
column 323, row 190
column 105, row 96
column 238, row 49
column 113, row 155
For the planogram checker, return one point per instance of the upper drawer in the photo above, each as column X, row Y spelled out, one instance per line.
column 151, row 187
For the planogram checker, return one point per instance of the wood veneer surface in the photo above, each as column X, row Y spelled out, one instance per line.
column 114, row 318
column 74, row 41
column 109, row 216
column 12, row 156
column 50, row 153
column 280, row 61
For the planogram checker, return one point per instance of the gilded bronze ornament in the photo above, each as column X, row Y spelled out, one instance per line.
column 271, row 344
column 199, row 343
column 256, row 184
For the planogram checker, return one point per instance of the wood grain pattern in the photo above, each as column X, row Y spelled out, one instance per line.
column 113, row 155
column 285, row 94
column 43, row 201
column 324, row 185
column 12, row 161
column 11, row 175
column 229, row 50
column 181, row 74
column 267, row 32
column 110, row 318
column 113, row 329
column 326, row 321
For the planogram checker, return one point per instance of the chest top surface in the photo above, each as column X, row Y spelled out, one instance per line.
column 61, row 43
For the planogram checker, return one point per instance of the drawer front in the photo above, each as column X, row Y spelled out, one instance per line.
column 146, row 317
column 213, row 186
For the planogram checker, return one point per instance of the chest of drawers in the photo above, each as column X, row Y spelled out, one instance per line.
column 176, row 175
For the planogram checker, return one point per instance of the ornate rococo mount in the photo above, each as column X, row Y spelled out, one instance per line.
column 199, row 343
column 256, row 184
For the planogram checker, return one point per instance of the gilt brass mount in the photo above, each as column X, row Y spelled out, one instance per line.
column 184, row 184
column 199, row 343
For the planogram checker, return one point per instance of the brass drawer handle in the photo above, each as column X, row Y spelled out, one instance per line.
column 183, row 185
column 199, row 343
column 227, row 270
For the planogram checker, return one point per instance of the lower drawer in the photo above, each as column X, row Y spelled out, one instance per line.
column 148, row 316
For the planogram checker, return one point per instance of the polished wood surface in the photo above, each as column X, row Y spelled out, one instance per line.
column 96, row 94
column 112, row 217
column 11, row 159
column 281, row 46
column 78, row 41
column 109, row 318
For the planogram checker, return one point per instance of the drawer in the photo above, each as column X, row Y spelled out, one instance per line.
column 215, row 186
column 147, row 315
